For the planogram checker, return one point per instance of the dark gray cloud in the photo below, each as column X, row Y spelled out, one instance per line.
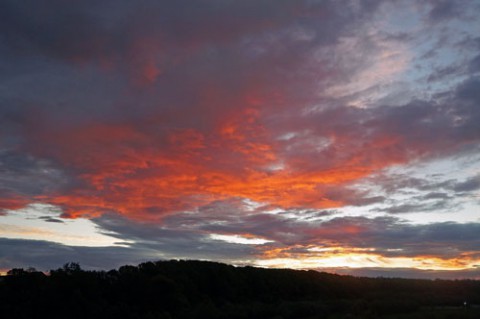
column 445, row 10
column 24, row 177
column 437, row 187
column 471, row 184
column 393, row 237
column 179, row 241
column 393, row 183
column 437, row 195
column 50, row 219
column 44, row 255
column 446, row 72
column 185, row 234
column 56, row 40
column 88, row 25
column 436, row 206
column 474, row 65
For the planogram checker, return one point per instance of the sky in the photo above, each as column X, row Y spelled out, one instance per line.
column 342, row 136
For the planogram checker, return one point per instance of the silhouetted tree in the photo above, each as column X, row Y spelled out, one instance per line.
column 198, row 289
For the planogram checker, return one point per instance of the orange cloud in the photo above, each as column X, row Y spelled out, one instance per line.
column 12, row 203
column 124, row 169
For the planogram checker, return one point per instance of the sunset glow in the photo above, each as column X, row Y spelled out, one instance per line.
column 301, row 134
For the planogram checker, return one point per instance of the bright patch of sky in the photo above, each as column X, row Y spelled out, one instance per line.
column 362, row 260
column 43, row 222
column 238, row 239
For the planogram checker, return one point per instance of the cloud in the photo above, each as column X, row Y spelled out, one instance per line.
column 115, row 160
column 189, row 233
column 24, row 177
column 444, row 73
column 437, row 195
column 442, row 10
column 222, row 111
column 389, row 245
column 172, row 242
column 25, row 174
column 273, row 237
column 393, row 237
column 196, row 133
column 45, row 255
column 49, row 219
column 145, row 35
column 474, row 65
column 469, row 185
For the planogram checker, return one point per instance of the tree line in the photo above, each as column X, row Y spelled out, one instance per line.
column 200, row 289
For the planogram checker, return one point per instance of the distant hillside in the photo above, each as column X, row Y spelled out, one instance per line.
column 198, row 289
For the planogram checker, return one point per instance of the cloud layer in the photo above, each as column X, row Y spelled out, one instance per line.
column 305, row 124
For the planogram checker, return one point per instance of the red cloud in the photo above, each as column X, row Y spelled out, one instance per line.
column 141, row 172
column 195, row 113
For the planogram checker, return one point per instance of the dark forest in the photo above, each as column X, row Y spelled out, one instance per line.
column 200, row 289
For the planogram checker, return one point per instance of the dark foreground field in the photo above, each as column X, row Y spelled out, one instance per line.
column 195, row 289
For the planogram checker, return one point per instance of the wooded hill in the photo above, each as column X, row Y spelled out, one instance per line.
column 199, row 289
